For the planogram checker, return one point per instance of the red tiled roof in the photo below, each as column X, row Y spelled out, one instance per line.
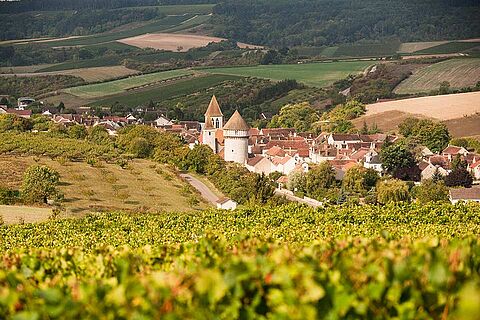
column 21, row 113
column 253, row 161
column 276, row 151
column 453, row 150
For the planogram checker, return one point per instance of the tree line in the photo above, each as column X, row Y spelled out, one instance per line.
column 326, row 22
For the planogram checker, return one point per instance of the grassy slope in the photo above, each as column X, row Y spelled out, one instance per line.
column 108, row 187
column 164, row 92
column 118, row 86
column 450, row 47
column 315, row 74
column 20, row 214
column 458, row 72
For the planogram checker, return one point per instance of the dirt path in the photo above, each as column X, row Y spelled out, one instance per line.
column 206, row 193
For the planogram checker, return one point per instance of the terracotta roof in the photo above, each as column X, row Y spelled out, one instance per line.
column 223, row 200
column 282, row 179
column 281, row 160
column 476, row 164
column 19, row 112
column 253, row 161
column 236, row 122
column 451, row 150
column 213, row 109
column 219, row 136
column 423, row 165
column 278, row 131
column 276, row 151
column 465, row 193
column 345, row 137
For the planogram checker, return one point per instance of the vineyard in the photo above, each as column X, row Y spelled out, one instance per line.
column 287, row 262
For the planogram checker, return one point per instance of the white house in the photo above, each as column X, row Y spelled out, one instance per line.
column 475, row 170
column 429, row 170
column 162, row 122
column 372, row 161
column 260, row 164
column 341, row 141
column 226, row 204
column 465, row 194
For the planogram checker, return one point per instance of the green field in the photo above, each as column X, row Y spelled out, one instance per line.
column 164, row 92
column 119, row 86
column 459, row 73
column 367, row 49
column 451, row 47
column 314, row 74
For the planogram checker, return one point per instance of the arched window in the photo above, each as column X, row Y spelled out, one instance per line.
column 217, row 123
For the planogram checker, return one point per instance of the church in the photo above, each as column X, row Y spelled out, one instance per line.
column 230, row 141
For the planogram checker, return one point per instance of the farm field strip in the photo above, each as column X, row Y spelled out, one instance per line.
column 118, row 86
column 314, row 74
column 444, row 107
column 165, row 91
column 458, row 72
column 174, row 41
column 410, row 47
column 88, row 74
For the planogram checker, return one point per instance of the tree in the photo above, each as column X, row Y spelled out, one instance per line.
column 459, row 163
column 319, row 179
column 300, row 116
column 444, row 87
column 39, row 183
column 459, row 178
column 392, row 190
column 98, row 134
column 359, row 179
column 296, row 181
column 77, row 131
column 264, row 188
column 197, row 158
column 408, row 126
column 431, row 191
column 396, row 157
column 10, row 122
column 434, row 135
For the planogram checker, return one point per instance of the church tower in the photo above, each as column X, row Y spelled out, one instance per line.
column 235, row 133
column 213, row 122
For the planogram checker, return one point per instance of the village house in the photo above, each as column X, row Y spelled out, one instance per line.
column 21, row 113
column 465, row 195
column 226, row 204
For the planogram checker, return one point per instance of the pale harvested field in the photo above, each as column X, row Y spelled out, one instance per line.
column 458, row 72
column 88, row 74
column 144, row 186
column 442, row 55
column 445, row 107
column 174, row 42
column 23, row 214
column 387, row 121
column 410, row 47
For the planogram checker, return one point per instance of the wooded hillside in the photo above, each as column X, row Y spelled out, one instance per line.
column 327, row 22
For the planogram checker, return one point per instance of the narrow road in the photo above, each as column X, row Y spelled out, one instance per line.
column 206, row 193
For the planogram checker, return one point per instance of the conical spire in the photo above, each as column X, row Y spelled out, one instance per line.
column 236, row 122
column 213, row 109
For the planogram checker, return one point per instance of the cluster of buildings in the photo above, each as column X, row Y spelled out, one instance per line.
column 284, row 150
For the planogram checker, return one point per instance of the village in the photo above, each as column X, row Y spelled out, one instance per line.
column 281, row 150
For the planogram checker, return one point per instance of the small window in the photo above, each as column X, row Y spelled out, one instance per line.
column 217, row 123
